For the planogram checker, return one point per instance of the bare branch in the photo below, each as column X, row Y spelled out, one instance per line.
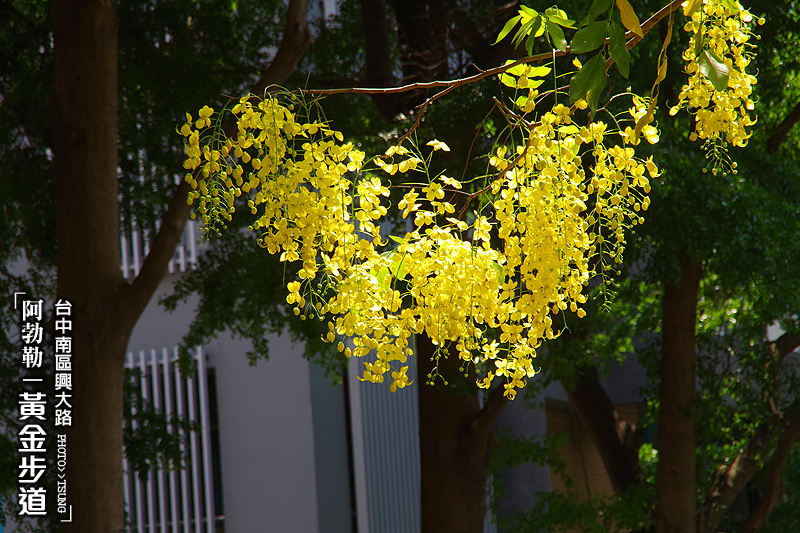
column 154, row 267
column 774, row 485
column 730, row 480
column 650, row 23
column 784, row 345
column 492, row 408
column 776, row 139
column 296, row 40
column 632, row 38
column 613, row 436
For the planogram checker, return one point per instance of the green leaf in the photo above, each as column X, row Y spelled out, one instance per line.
column 508, row 81
column 528, row 11
column 557, row 35
column 507, row 28
column 531, row 72
column 558, row 16
column 385, row 275
column 537, row 29
column 384, row 279
column 516, row 70
column 598, row 7
column 589, row 38
column 398, row 261
column 501, row 277
column 396, row 239
column 618, row 49
column 530, row 29
column 590, row 80
column 698, row 42
column 715, row 70
column 690, row 6
column 629, row 18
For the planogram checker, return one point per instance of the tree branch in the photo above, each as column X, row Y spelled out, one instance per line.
column 296, row 41
column 154, row 266
column 784, row 345
column 774, row 485
column 492, row 408
column 632, row 39
column 378, row 61
column 730, row 480
column 650, row 23
column 776, row 139
column 612, row 435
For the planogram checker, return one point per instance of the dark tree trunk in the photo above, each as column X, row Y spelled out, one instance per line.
column 105, row 307
column 613, row 436
column 422, row 34
column 456, row 443
column 85, row 121
column 378, row 61
column 675, row 476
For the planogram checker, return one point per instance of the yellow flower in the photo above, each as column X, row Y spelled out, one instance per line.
column 433, row 192
column 438, row 145
column 400, row 379
column 407, row 203
column 450, row 181
column 507, row 276
column 719, row 115
column 205, row 117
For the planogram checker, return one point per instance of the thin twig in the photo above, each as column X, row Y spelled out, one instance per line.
column 631, row 38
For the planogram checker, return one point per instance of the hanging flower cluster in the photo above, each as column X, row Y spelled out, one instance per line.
column 719, row 91
column 488, row 281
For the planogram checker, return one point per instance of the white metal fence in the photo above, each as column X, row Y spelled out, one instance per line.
column 136, row 246
column 174, row 501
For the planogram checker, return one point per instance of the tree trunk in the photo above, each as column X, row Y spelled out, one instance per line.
column 613, row 436
column 89, row 276
column 378, row 61
column 675, row 475
column 105, row 308
column 455, row 446
column 422, row 34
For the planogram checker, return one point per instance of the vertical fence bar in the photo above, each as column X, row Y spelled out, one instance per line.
column 158, row 482
column 135, row 252
column 123, row 242
column 184, row 477
column 168, row 369
column 174, row 502
column 192, row 240
column 195, row 457
column 146, row 397
column 206, row 434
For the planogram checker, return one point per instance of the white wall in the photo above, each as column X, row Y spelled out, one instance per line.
column 265, row 426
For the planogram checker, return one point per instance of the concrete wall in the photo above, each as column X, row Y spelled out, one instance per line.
column 265, row 426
